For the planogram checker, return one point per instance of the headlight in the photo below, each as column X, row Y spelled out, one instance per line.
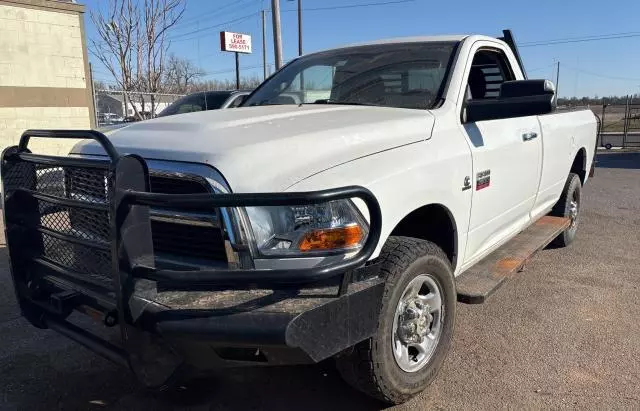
column 307, row 230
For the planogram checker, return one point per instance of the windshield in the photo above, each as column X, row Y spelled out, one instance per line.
column 196, row 102
column 406, row 75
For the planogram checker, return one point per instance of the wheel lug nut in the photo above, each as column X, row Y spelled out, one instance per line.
column 412, row 313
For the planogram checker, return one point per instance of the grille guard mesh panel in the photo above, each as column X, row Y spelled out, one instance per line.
column 88, row 220
column 94, row 264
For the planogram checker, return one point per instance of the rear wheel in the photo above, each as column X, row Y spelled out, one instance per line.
column 569, row 206
column 415, row 324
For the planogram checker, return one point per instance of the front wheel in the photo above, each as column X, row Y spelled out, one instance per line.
column 415, row 324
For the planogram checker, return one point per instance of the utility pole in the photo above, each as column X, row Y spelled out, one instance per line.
column 237, row 70
column 604, row 112
column 299, row 27
column 627, row 111
column 557, row 80
column 93, row 96
column 264, row 43
column 277, row 38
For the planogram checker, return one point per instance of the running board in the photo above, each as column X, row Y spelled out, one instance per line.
column 476, row 284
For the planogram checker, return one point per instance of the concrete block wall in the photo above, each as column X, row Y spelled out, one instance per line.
column 43, row 71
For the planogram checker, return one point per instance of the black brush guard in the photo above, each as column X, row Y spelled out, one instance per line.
column 108, row 268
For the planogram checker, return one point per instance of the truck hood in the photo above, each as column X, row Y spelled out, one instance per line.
column 270, row 148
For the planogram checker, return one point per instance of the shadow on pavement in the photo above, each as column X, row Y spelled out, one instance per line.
column 96, row 385
column 8, row 305
column 316, row 387
column 618, row 160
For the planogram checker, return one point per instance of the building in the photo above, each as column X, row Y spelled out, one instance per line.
column 44, row 71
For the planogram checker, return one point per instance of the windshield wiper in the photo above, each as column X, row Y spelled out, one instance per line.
column 343, row 103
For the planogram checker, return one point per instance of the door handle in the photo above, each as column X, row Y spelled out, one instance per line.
column 529, row 136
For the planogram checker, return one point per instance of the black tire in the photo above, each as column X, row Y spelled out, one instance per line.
column 572, row 193
column 370, row 366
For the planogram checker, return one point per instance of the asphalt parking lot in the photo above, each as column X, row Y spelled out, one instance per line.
column 565, row 333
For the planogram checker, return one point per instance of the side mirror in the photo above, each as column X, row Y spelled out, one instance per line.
column 519, row 98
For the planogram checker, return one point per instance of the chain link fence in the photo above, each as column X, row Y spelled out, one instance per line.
column 112, row 108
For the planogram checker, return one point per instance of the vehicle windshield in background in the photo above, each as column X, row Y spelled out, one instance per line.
column 201, row 101
column 406, row 75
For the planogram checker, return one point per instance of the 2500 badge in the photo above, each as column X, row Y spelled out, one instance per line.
column 483, row 179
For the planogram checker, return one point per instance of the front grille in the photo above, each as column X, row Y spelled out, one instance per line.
column 180, row 237
column 166, row 183
column 177, row 239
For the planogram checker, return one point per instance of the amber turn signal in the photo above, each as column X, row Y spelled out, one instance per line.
column 332, row 238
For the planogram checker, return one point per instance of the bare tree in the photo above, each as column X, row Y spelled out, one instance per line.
column 133, row 43
column 117, row 29
column 181, row 74
column 246, row 83
column 159, row 17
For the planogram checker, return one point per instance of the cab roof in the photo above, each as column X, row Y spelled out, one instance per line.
column 414, row 39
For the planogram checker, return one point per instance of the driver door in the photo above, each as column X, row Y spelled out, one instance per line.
column 506, row 157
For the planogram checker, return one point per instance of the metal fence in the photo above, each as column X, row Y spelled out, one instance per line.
column 112, row 108
column 620, row 124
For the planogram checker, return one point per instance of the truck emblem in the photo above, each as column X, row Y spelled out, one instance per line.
column 467, row 183
column 483, row 179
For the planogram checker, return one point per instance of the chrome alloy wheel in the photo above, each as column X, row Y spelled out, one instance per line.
column 574, row 209
column 417, row 323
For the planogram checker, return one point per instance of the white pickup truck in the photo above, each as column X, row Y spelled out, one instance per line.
column 341, row 212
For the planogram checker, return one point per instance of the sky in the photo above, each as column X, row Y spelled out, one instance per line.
column 587, row 68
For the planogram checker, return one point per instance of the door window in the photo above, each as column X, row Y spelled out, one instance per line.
column 489, row 69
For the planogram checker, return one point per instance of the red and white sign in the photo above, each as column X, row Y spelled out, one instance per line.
column 237, row 42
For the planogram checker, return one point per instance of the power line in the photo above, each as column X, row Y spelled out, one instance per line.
column 211, row 73
column 541, row 68
column 229, row 70
column 216, row 13
column 351, row 6
column 601, row 75
column 236, row 20
column 568, row 40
